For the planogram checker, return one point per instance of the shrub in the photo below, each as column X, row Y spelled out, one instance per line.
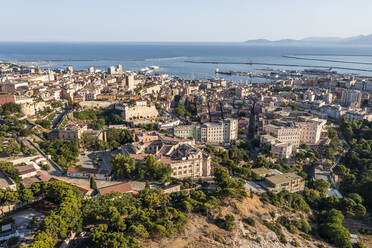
column 250, row 221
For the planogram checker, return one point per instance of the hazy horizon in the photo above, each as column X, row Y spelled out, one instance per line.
column 176, row 21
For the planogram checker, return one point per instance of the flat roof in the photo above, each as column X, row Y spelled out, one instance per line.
column 283, row 178
column 261, row 170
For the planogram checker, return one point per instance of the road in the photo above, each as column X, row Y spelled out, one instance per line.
column 337, row 161
column 55, row 170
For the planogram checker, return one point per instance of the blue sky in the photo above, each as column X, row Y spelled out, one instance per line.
column 177, row 20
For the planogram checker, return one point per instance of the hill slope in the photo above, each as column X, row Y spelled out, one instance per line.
column 202, row 232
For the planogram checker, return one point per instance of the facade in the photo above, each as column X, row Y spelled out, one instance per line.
column 27, row 170
column 310, row 130
column 288, row 181
column 351, row 98
column 303, row 131
column 7, row 99
column 78, row 172
column 222, row 132
column 180, row 154
column 68, row 132
column 140, row 113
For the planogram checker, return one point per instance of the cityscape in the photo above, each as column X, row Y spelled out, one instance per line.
column 186, row 149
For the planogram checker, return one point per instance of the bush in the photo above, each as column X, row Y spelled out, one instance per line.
column 227, row 223
column 250, row 221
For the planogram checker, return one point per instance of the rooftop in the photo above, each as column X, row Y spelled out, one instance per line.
column 278, row 179
column 121, row 188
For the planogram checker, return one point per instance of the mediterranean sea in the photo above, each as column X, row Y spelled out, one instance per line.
column 183, row 59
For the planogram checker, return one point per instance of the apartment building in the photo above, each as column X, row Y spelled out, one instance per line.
column 284, row 132
column 310, row 130
column 290, row 182
column 280, row 149
column 211, row 133
column 351, row 98
column 180, row 154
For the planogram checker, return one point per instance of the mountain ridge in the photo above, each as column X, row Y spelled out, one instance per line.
column 354, row 40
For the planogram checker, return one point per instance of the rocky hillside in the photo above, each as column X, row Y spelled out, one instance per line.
column 203, row 232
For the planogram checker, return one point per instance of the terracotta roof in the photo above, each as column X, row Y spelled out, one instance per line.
column 25, row 169
column 82, row 188
column 23, row 172
column 81, row 170
column 121, row 187
column 42, row 176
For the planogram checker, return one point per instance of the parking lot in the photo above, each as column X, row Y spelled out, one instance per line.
column 22, row 221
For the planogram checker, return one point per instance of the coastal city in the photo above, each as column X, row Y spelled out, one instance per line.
column 86, row 154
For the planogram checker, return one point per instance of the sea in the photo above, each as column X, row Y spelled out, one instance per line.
column 190, row 60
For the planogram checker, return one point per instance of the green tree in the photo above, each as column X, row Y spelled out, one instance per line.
column 322, row 186
column 13, row 148
column 93, row 183
column 27, row 195
column 123, row 166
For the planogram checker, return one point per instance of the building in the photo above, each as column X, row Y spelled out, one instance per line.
column 28, row 170
column 130, row 81
column 351, row 98
column 111, row 70
column 119, row 69
column 359, row 114
column 140, row 113
column 284, row 132
column 290, row 182
column 310, row 130
column 180, row 154
column 222, row 132
column 280, row 149
column 85, row 190
column 13, row 86
column 79, row 172
column 120, row 188
column 70, row 69
column 7, row 99
column 69, row 132
column 303, row 130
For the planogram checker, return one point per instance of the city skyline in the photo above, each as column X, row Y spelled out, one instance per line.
column 191, row 21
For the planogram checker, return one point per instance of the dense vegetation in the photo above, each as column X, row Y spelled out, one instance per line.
column 8, row 169
column 124, row 219
column 63, row 152
column 10, row 108
column 66, row 217
column 150, row 169
column 92, row 142
column 117, row 137
column 88, row 114
column 14, row 126
column 331, row 228
column 356, row 170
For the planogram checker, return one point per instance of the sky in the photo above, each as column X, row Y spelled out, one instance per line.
column 181, row 20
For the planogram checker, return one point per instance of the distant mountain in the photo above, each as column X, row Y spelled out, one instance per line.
column 355, row 40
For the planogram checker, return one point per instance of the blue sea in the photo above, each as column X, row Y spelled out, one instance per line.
column 174, row 58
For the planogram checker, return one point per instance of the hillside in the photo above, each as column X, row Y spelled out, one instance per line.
column 202, row 232
column 365, row 40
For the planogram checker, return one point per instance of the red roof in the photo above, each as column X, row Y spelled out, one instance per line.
column 27, row 171
column 121, row 187
column 82, row 188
